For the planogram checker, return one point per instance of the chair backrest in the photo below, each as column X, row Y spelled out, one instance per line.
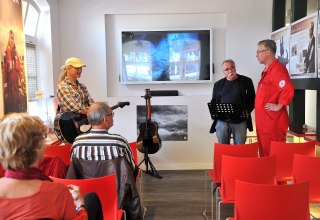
column 239, row 150
column 255, row 170
column 265, row 202
column 104, row 187
column 306, row 168
column 133, row 146
column 127, row 192
column 285, row 152
column 62, row 151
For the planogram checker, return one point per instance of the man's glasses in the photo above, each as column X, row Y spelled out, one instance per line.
column 259, row 51
column 230, row 69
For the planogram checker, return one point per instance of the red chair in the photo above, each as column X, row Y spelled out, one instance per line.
column 105, row 188
column 255, row 170
column 265, row 202
column 133, row 146
column 62, row 151
column 50, row 165
column 285, row 152
column 306, row 169
column 240, row 150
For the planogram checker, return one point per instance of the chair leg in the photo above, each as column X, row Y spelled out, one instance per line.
column 219, row 208
column 212, row 201
column 217, row 205
column 124, row 215
column 204, row 213
column 141, row 195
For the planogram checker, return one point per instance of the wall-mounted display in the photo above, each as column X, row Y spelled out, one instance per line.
column 302, row 48
column 282, row 39
column 172, row 121
column 166, row 56
column 12, row 46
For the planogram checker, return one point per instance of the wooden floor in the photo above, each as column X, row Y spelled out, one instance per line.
column 180, row 195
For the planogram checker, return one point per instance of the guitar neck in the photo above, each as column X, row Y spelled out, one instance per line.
column 148, row 110
column 120, row 105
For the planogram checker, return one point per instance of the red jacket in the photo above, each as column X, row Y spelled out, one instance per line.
column 275, row 86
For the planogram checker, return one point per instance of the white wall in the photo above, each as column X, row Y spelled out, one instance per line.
column 88, row 29
column 311, row 108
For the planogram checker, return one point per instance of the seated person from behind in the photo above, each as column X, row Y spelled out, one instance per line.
column 98, row 144
column 99, row 153
column 25, row 191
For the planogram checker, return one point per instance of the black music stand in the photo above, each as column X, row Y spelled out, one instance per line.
column 147, row 142
column 227, row 112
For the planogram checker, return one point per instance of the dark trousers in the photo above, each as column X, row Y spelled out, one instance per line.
column 93, row 205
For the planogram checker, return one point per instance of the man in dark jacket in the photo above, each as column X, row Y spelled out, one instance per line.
column 233, row 89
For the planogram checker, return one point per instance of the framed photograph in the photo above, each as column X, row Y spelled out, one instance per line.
column 172, row 121
column 302, row 47
column 282, row 39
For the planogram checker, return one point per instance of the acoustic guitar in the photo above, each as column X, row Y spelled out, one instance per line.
column 68, row 125
column 148, row 140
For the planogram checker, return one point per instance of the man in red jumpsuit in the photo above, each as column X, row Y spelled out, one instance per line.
column 275, row 91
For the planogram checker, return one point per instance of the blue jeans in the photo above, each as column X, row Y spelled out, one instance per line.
column 238, row 131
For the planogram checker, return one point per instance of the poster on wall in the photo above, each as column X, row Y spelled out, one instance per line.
column 302, row 48
column 172, row 121
column 12, row 46
column 282, row 39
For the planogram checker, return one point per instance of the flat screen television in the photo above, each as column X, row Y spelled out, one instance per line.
column 166, row 56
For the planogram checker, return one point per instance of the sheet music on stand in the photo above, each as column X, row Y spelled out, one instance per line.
column 226, row 111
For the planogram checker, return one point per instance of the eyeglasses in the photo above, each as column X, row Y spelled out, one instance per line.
column 112, row 114
column 259, row 51
column 231, row 68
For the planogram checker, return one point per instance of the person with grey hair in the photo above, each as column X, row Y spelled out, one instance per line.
column 25, row 191
column 102, row 153
column 72, row 95
column 234, row 89
column 275, row 91
column 98, row 144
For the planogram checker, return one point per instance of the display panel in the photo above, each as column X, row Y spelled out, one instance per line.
column 282, row 39
column 302, row 47
column 166, row 56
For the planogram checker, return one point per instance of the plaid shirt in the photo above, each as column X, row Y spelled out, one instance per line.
column 72, row 97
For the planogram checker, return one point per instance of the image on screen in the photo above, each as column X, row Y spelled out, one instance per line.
column 165, row 56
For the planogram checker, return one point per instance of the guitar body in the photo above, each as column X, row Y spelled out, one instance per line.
column 67, row 126
column 151, row 140
column 148, row 141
